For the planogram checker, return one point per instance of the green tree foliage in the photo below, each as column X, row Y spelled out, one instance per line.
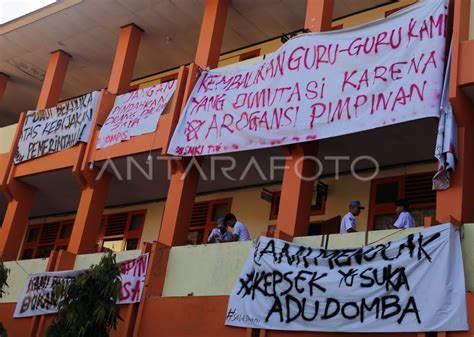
column 88, row 306
column 4, row 271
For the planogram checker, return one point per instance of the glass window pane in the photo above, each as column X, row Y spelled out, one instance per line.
column 136, row 222
column 32, row 235
column 420, row 214
column 195, row 237
column 219, row 211
column 386, row 193
column 66, row 230
column 27, row 254
column 383, row 221
column 131, row 244
column 113, row 244
column 44, row 251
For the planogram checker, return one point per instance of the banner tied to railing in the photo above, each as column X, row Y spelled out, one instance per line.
column 38, row 297
column 56, row 129
column 321, row 85
column 410, row 285
column 135, row 113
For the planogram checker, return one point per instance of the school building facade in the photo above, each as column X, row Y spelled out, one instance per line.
column 61, row 210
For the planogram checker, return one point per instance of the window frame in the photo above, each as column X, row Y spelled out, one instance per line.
column 127, row 234
column 210, row 223
column 276, row 196
column 389, row 208
column 36, row 245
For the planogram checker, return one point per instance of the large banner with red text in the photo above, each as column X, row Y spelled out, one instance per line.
column 135, row 113
column 413, row 284
column 38, row 297
column 321, row 85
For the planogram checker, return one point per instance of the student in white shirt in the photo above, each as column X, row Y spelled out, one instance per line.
column 241, row 232
column 404, row 218
column 220, row 234
column 348, row 224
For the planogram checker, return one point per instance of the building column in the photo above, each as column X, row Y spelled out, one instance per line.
column 96, row 186
column 20, row 195
column 88, row 218
column 3, row 84
column 456, row 201
column 184, row 180
column 53, row 80
column 297, row 189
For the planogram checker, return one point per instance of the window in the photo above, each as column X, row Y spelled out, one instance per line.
column 204, row 219
column 41, row 239
column 318, row 203
column 121, row 231
column 416, row 188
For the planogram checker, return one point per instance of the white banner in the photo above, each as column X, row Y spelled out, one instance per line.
column 135, row 113
column 321, row 85
column 56, row 129
column 409, row 285
column 37, row 297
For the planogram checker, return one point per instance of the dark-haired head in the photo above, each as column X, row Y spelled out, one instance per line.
column 230, row 220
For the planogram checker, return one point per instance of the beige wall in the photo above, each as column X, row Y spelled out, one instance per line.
column 471, row 21
column 19, row 271
column 6, row 137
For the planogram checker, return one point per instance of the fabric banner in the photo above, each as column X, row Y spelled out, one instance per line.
column 409, row 285
column 447, row 140
column 37, row 297
column 321, row 85
column 135, row 113
column 56, row 129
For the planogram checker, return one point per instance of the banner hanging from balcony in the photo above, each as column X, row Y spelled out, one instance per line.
column 135, row 113
column 321, row 85
column 37, row 297
column 411, row 285
column 56, row 129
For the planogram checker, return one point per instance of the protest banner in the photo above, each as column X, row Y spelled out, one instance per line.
column 135, row 113
column 410, row 285
column 38, row 298
column 321, row 85
column 56, row 129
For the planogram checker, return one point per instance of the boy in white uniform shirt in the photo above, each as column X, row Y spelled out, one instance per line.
column 348, row 224
column 404, row 218
column 241, row 232
column 220, row 234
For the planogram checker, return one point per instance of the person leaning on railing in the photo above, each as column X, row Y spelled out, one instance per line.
column 241, row 233
column 220, row 234
column 404, row 218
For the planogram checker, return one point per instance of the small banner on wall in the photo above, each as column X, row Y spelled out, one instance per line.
column 135, row 113
column 37, row 297
column 321, row 85
column 56, row 129
column 409, row 285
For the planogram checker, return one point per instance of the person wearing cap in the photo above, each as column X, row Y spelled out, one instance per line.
column 348, row 224
column 241, row 233
column 404, row 218
column 220, row 234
